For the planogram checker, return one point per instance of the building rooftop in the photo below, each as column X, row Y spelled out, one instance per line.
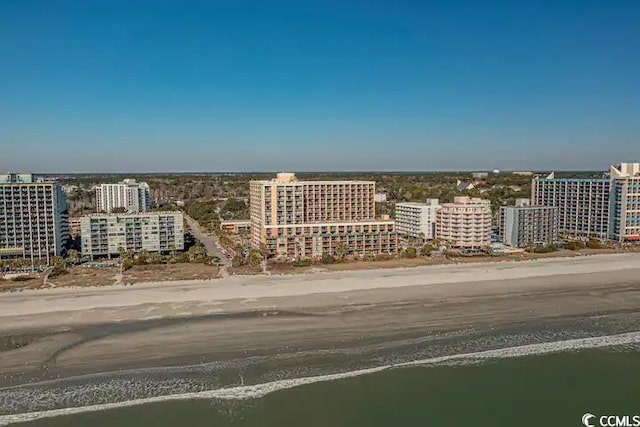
column 22, row 178
column 428, row 202
column 290, row 178
column 135, row 214
column 466, row 200
column 625, row 170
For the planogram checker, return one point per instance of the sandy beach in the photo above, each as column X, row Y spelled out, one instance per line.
column 63, row 332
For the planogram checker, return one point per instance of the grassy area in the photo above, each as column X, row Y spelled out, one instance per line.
column 85, row 277
column 288, row 268
column 246, row 270
column 23, row 282
column 164, row 272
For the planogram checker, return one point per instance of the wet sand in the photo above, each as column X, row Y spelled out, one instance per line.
column 81, row 331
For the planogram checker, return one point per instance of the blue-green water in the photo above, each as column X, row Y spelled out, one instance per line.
column 549, row 390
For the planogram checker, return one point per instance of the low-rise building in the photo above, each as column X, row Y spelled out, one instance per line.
column 524, row 225
column 108, row 234
column 417, row 220
column 465, row 223
column 235, row 227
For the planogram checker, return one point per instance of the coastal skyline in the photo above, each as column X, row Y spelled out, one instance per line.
column 114, row 87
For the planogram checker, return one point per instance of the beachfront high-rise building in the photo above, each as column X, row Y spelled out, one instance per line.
column 524, row 225
column 129, row 194
column 465, row 223
column 108, row 234
column 313, row 218
column 33, row 218
column 607, row 207
column 417, row 220
column 583, row 203
column 624, row 210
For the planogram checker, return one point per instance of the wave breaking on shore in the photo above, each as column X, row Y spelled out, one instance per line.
column 260, row 390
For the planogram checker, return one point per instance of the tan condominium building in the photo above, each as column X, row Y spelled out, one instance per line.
column 465, row 223
column 312, row 218
column 108, row 234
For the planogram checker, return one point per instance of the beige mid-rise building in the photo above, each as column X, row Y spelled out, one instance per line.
column 465, row 223
column 312, row 218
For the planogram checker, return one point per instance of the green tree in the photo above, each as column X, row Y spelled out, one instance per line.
column 410, row 253
column 155, row 258
column 426, row 250
column 59, row 267
column 197, row 253
column 575, row 245
column 342, row 251
column 73, row 256
column 142, row 257
column 119, row 210
column 237, row 261
column 328, row 259
column 254, row 258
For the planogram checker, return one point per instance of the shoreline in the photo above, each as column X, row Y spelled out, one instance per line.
column 168, row 284
column 82, row 332
column 253, row 391
column 131, row 341
column 374, row 266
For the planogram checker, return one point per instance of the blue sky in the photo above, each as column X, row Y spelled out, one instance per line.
column 123, row 86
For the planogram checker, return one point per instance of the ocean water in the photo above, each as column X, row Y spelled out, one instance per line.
column 547, row 373
column 536, row 390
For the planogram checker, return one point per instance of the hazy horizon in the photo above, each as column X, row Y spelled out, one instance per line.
column 115, row 87
column 308, row 172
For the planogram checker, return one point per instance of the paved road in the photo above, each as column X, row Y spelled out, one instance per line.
column 209, row 242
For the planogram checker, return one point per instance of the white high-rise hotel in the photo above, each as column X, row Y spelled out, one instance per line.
column 417, row 220
column 34, row 222
column 624, row 210
column 607, row 207
column 133, row 196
